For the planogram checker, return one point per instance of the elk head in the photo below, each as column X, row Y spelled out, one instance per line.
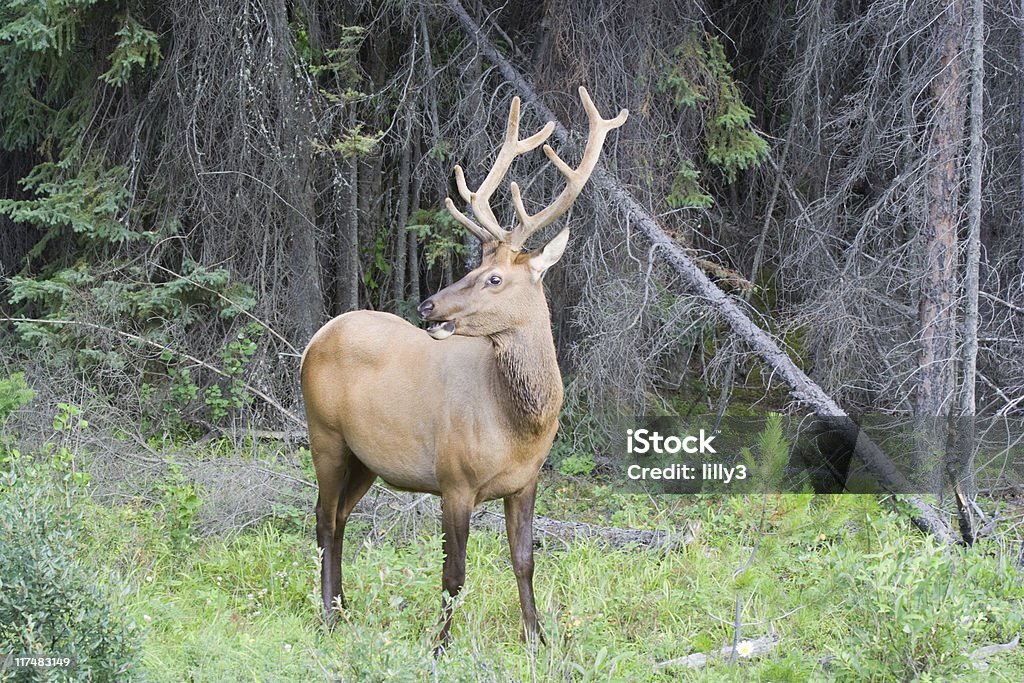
column 505, row 290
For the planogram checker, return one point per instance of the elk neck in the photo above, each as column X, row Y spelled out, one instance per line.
column 527, row 365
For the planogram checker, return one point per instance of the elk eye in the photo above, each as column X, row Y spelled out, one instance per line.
column 494, row 280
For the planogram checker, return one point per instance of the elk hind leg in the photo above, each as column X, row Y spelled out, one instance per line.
column 357, row 481
column 342, row 481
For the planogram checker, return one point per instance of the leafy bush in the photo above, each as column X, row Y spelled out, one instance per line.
column 920, row 607
column 51, row 604
column 180, row 504
column 14, row 393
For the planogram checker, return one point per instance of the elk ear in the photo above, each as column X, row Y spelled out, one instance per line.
column 548, row 255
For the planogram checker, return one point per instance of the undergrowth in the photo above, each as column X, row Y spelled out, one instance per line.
column 849, row 590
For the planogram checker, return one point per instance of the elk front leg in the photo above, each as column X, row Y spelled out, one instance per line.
column 455, row 513
column 519, row 525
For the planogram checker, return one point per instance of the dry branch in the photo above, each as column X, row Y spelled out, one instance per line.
column 746, row 649
column 979, row 656
column 616, row 537
column 801, row 386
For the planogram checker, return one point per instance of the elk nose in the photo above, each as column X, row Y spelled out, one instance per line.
column 426, row 308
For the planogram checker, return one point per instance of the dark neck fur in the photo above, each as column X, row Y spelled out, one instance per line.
column 527, row 365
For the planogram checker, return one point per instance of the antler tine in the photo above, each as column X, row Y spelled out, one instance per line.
column 575, row 178
column 489, row 229
column 481, row 234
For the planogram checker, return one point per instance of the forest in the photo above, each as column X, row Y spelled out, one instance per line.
column 813, row 211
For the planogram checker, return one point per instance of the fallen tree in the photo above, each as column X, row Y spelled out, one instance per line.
column 567, row 532
column 801, row 387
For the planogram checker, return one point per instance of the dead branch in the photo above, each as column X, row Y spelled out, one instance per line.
column 616, row 537
column 747, row 649
column 979, row 656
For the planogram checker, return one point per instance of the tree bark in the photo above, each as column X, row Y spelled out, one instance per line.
column 296, row 192
column 936, row 313
column 935, row 387
column 1020, row 113
column 402, row 219
column 969, row 350
column 347, row 298
column 801, row 386
column 964, row 481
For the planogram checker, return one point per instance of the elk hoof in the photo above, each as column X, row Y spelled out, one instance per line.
column 533, row 637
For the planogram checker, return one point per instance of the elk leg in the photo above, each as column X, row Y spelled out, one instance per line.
column 519, row 525
column 455, row 513
column 329, row 456
column 329, row 583
column 357, row 481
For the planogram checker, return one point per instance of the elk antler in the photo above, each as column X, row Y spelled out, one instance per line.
column 489, row 229
column 512, row 147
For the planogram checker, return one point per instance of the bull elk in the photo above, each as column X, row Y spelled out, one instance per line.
column 470, row 418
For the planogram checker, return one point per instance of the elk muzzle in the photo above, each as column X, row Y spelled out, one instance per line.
column 438, row 329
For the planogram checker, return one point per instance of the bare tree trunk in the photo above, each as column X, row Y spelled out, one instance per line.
column 1020, row 132
column 969, row 350
column 347, row 295
column 305, row 272
column 963, row 481
column 936, row 310
column 402, row 219
column 413, row 259
column 475, row 106
column 302, row 263
column 801, row 386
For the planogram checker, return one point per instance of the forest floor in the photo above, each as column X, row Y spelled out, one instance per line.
column 847, row 588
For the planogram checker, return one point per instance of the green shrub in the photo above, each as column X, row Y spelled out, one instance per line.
column 14, row 393
column 51, row 604
column 920, row 607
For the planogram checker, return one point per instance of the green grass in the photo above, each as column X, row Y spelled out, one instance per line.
column 835, row 577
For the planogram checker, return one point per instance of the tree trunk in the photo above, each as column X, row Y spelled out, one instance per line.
column 402, row 219
column 368, row 207
column 936, row 311
column 1020, row 132
column 347, row 296
column 296, row 192
column 963, row 480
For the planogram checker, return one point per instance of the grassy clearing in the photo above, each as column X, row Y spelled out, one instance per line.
column 834, row 577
